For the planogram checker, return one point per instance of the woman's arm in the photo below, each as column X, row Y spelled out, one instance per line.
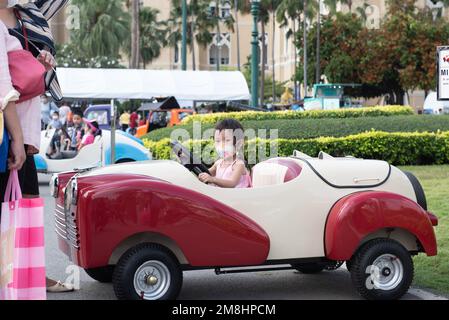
column 17, row 155
column 49, row 8
column 7, row 97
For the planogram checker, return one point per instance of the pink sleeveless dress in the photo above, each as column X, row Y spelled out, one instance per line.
column 226, row 174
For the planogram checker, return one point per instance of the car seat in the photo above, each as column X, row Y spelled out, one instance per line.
column 275, row 171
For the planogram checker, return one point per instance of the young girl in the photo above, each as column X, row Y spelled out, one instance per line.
column 92, row 130
column 230, row 170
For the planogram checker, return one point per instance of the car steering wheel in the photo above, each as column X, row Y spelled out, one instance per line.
column 187, row 159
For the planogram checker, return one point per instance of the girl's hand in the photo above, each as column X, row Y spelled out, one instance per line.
column 206, row 178
column 17, row 155
column 47, row 59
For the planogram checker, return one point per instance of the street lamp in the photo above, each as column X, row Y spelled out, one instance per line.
column 255, row 9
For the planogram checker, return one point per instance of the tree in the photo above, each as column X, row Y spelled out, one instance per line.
column 104, row 29
column 392, row 60
column 400, row 56
column 289, row 14
column 153, row 35
column 201, row 25
column 69, row 56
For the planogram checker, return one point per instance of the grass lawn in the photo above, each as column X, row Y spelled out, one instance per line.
column 433, row 273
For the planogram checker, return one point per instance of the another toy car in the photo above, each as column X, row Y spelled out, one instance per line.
column 128, row 149
column 142, row 225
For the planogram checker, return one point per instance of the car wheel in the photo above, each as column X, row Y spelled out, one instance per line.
column 309, row 268
column 382, row 269
column 103, row 274
column 147, row 272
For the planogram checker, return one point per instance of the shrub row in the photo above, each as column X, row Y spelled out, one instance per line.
column 396, row 148
column 313, row 128
column 313, row 114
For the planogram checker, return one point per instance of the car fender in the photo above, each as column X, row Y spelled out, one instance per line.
column 112, row 208
column 41, row 164
column 356, row 216
column 126, row 151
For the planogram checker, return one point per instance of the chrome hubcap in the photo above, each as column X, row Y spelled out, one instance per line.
column 387, row 272
column 152, row 280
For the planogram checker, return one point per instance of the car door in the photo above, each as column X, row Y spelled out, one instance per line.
column 88, row 156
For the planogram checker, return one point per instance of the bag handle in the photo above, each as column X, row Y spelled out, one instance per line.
column 13, row 191
column 24, row 31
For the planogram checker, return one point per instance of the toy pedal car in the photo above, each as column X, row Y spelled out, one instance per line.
column 142, row 225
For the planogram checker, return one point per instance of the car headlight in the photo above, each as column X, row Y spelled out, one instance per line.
column 54, row 186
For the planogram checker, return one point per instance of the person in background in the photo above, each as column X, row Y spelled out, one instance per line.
column 92, row 130
column 64, row 113
column 55, row 122
column 75, row 132
column 47, row 109
column 133, row 123
column 55, row 145
column 124, row 120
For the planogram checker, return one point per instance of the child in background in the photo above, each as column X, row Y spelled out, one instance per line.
column 55, row 122
column 92, row 130
column 230, row 170
column 76, row 132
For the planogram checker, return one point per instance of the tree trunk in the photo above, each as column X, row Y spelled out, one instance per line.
column 399, row 96
column 237, row 29
column 262, row 63
column 135, row 35
column 273, row 52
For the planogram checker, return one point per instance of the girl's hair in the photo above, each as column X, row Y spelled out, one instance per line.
column 97, row 126
column 231, row 124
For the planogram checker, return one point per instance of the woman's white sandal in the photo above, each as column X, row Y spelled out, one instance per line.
column 60, row 287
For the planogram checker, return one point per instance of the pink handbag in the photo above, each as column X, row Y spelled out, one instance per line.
column 27, row 73
column 22, row 252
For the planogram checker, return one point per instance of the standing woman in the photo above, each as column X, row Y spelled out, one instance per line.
column 26, row 27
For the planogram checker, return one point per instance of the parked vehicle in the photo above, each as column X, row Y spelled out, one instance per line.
column 140, row 226
column 435, row 107
column 166, row 112
column 329, row 97
column 128, row 149
column 100, row 113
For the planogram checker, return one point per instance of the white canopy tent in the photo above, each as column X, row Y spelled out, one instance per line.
column 203, row 86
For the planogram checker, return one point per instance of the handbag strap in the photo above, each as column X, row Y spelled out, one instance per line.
column 24, row 31
column 13, row 191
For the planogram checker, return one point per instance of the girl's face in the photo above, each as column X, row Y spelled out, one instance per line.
column 225, row 143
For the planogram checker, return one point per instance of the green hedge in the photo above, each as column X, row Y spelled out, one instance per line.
column 396, row 148
column 314, row 114
column 313, row 128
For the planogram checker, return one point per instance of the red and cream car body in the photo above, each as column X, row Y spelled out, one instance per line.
column 141, row 225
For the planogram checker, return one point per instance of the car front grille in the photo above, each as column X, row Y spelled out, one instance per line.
column 65, row 225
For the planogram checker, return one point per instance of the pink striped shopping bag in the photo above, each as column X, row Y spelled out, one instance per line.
column 22, row 252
